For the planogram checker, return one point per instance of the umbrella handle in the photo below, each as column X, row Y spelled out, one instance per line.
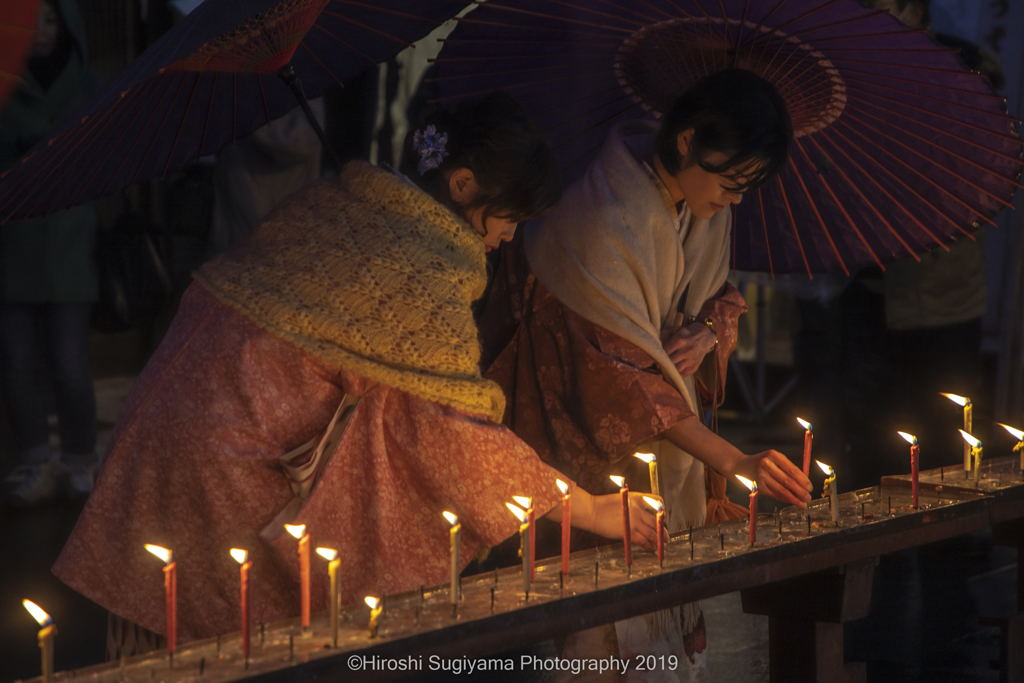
column 287, row 74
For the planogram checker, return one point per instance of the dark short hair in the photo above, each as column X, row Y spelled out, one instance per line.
column 734, row 112
column 493, row 137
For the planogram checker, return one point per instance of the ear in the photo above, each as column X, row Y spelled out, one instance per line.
column 683, row 141
column 462, row 186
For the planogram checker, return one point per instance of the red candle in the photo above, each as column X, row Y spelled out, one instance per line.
column 242, row 557
column 915, row 463
column 299, row 532
column 753, row 506
column 659, row 517
column 808, row 440
column 566, row 520
column 170, row 593
column 626, row 535
column 527, row 504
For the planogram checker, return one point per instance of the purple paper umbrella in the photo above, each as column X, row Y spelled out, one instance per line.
column 899, row 149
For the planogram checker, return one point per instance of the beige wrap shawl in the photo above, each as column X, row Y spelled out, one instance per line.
column 611, row 253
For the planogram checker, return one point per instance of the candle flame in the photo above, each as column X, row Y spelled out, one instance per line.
column 805, row 424
column 241, row 556
column 372, row 601
column 646, row 457
column 452, row 518
column 910, row 438
column 1017, row 434
column 751, row 485
column 296, row 530
column 327, row 553
column 37, row 612
column 825, row 468
column 517, row 511
column 969, row 439
column 654, row 503
column 619, row 481
column 163, row 553
column 959, row 400
column 562, row 486
column 523, row 501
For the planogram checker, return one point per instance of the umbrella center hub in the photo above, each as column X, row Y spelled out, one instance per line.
column 659, row 62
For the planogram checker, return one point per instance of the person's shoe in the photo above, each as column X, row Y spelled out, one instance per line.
column 81, row 476
column 39, row 487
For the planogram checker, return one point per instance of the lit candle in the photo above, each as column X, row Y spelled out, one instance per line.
column 975, row 453
column 455, row 537
column 752, row 487
column 626, row 534
column 968, row 410
column 652, row 465
column 566, row 521
column 915, row 463
column 659, row 516
column 170, row 593
column 524, row 543
column 376, row 607
column 46, row 633
column 299, row 532
column 242, row 558
column 830, row 490
column 333, row 563
column 527, row 504
column 1019, row 435
column 808, row 440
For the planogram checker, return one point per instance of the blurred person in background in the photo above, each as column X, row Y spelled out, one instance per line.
column 48, row 282
column 874, row 357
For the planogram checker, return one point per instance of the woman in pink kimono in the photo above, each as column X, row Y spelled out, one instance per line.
column 353, row 292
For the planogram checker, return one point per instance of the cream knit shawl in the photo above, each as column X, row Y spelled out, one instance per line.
column 369, row 273
column 611, row 253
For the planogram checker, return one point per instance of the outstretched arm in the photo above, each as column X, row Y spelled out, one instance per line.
column 774, row 473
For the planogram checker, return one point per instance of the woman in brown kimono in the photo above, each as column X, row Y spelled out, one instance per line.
column 580, row 328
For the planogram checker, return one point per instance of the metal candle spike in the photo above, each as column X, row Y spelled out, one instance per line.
column 830, row 490
column 46, row 633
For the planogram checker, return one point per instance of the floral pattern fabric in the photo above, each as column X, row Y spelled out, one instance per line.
column 581, row 396
column 193, row 466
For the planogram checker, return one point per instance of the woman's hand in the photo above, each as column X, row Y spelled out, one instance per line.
column 777, row 476
column 608, row 519
column 687, row 347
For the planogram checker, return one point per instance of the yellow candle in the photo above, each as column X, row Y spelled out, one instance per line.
column 455, row 537
column 975, row 453
column 375, row 609
column 333, row 563
column 46, row 634
column 968, row 419
column 830, row 490
column 524, row 544
column 652, row 465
